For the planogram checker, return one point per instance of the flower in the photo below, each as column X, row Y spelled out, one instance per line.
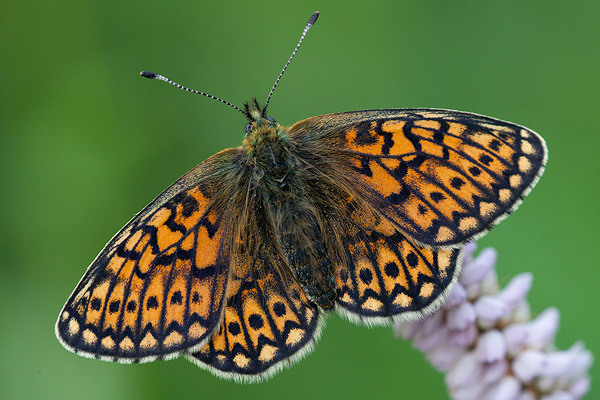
column 485, row 341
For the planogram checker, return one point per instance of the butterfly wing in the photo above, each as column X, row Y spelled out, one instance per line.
column 158, row 286
column 417, row 183
column 388, row 277
column 444, row 177
column 268, row 323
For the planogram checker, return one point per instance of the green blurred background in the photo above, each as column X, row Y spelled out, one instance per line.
column 85, row 143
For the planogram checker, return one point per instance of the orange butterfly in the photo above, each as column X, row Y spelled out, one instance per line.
column 236, row 263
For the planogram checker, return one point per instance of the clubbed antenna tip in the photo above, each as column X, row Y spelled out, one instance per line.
column 313, row 18
column 153, row 75
column 148, row 74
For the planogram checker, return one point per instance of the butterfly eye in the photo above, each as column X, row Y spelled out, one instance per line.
column 271, row 120
column 247, row 128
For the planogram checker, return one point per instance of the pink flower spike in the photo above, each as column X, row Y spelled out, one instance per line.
column 516, row 290
column 509, row 388
column 487, row 344
column 490, row 347
column 469, row 251
column 558, row 395
column 527, row 396
column 494, row 372
column 432, row 324
column 464, row 372
column 457, row 297
column 463, row 338
column 461, row 317
column 516, row 335
column 426, row 343
column 475, row 271
column 529, row 364
column 445, row 356
column 546, row 384
column 521, row 313
column 471, row 392
column 543, row 329
column 580, row 387
column 490, row 309
column 583, row 360
column 408, row 330
column 559, row 364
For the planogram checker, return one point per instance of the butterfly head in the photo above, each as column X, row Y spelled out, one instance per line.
column 258, row 121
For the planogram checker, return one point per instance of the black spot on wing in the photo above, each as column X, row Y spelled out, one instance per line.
column 152, row 303
column 96, row 304
column 177, row 298
column 114, row 306
column 131, row 306
column 234, row 328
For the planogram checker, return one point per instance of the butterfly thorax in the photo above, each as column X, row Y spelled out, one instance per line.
column 268, row 152
column 280, row 190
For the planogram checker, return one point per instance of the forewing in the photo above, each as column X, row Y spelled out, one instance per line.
column 444, row 177
column 268, row 324
column 157, row 288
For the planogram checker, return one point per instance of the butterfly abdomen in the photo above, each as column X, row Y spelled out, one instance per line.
column 307, row 256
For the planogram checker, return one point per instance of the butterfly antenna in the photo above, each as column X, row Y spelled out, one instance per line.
column 152, row 75
column 309, row 24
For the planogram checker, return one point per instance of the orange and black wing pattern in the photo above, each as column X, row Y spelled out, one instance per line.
column 387, row 277
column 268, row 323
column 444, row 177
column 158, row 287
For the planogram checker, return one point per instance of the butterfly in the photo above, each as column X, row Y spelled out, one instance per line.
column 237, row 263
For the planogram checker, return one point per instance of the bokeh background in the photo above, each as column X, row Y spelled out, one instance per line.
column 85, row 143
